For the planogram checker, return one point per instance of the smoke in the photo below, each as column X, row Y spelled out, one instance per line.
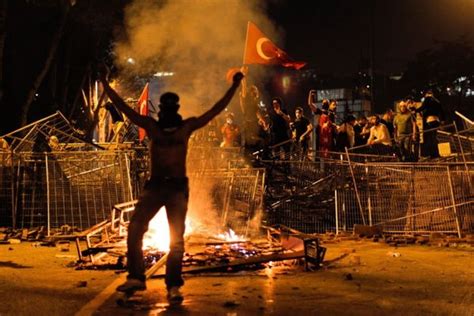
column 196, row 40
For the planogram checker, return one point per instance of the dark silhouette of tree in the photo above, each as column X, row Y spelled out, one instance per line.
column 49, row 56
column 3, row 27
column 439, row 67
column 448, row 70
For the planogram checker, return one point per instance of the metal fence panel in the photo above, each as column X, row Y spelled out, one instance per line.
column 408, row 198
column 74, row 188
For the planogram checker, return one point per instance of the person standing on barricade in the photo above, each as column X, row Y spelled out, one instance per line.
column 230, row 132
column 361, row 131
column 405, row 132
column 301, row 131
column 168, row 184
column 279, row 128
column 327, row 128
column 433, row 115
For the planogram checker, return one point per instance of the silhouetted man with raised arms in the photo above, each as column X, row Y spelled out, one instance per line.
column 168, row 184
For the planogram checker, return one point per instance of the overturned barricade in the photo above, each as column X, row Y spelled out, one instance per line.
column 403, row 198
column 52, row 176
column 409, row 198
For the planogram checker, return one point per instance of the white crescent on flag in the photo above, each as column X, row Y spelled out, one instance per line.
column 259, row 45
column 254, row 52
column 143, row 109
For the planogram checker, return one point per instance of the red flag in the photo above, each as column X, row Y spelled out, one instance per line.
column 143, row 110
column 260, row 50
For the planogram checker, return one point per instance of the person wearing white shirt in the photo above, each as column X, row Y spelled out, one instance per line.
column 379, row 133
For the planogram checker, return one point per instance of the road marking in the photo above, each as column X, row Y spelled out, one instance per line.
column 99, row 300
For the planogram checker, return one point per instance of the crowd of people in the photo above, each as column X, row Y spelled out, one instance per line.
column 276, row 132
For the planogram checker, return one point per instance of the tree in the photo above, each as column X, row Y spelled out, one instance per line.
column 448, row 70
column 56, row 39
column 441, row 66
column 50, row 49
column 3, row 31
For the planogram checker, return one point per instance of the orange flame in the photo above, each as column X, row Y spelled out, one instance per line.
column 158, row 233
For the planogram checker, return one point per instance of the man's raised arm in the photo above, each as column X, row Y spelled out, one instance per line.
column 140, row 120
column 220, row 105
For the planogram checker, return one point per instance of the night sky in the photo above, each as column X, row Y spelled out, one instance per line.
column 334, row 36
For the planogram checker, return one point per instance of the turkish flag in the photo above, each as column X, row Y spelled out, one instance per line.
column 143, row 110
column 261, row 50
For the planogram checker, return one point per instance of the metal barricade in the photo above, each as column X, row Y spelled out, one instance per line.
column 74, row 188
column 409, row 198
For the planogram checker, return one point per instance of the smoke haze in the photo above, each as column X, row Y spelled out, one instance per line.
column 197, row 40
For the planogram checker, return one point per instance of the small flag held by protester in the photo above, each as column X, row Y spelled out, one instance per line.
column 143, row 110
column 259, row 49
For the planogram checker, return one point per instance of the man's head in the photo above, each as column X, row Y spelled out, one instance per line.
column 362, row 120
column 277, row 104
column 168, row 114
column 333, row 105
column 350, row 119
column 325, row 104
column 374, row 120
column 53, row 142
column 403, row 106
column 299, row 112
column 169, row 102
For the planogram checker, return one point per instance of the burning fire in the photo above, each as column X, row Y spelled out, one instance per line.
column 230, row 236
column 158, row 233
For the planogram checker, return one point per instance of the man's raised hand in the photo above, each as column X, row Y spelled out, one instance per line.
column 238, row 77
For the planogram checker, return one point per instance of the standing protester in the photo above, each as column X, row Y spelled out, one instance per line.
column 168, row 184
column 249, row 105
column 301, row 128
column 263, row 133
column 312, row 103
column 433, row 115
column 405, row 132
column 327, row 128
column 345, row 134
column 387, row 120
column 332, row 111
column 230, row 132
column 361, row 131
column 279, row 128
column 317, row 112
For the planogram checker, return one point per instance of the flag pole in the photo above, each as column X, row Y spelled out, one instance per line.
column 245, row 45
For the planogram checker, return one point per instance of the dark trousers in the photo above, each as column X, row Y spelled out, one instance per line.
column 404, row 143
column 300, row 149
column 430, row 140
column 173, row 194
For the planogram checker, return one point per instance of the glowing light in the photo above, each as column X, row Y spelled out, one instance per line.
column 164, row 74
column 131, row 61
column 230, row 236
column 285, row 82
column 158, row 233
